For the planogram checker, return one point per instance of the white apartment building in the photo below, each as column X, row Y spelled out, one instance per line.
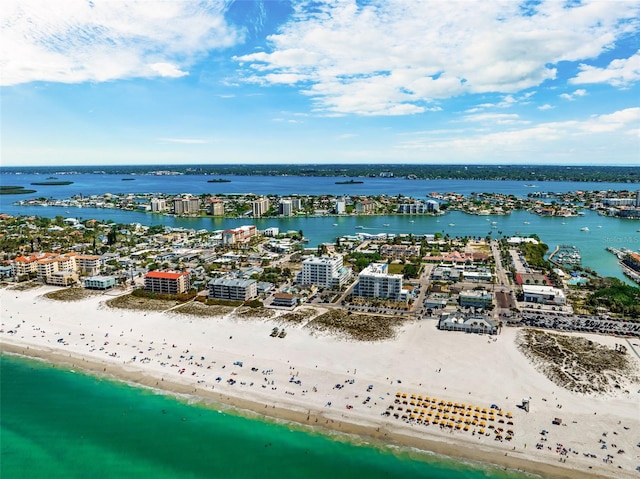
column 375, row 282
column 286, row 207
column 233, row 289
column 341, row 206
column 324, row 272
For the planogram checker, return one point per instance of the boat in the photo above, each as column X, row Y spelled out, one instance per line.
column 386, row 224
column 411, row 221
column 527, row 222
column 599, row 226
column 586, row 228
column 335, row 224
column 219, row 180
column 349, row 182
column 360, row 227
column 452, row 224
column 494, row 222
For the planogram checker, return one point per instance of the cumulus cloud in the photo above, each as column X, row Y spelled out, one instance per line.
column 572, row 96
column 543, row 137
column 397, row 57
column 76, row 40
column 619, row 73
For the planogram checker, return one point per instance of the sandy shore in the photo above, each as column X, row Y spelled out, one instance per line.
column 322, row 381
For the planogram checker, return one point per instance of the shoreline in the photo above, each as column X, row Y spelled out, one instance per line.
column 318, row 381
column 381, row 438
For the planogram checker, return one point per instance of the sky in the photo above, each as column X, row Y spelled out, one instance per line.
column 118, row 82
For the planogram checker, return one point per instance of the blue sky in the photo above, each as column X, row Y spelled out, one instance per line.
column 337, row 81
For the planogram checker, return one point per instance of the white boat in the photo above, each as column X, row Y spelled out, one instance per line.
column 527, row 222
column 452, row 224
column 599, row 226
column 411, row 221
column 360, row 227
column 494, row 222
column 586, row 228
column 335, row 224
column 386, row 224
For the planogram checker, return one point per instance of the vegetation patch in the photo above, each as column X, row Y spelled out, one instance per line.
column 71, row 294
column 26, row 286
column 247, row 312
column 360, row 327
column 196, row 308
column 616, row 296
column 298, row 316
column 576, row 363
column 129, row 301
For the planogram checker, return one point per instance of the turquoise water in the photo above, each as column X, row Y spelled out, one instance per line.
column 56, row 423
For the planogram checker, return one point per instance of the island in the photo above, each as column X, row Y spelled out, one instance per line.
column 52, row 183
column 349, row 182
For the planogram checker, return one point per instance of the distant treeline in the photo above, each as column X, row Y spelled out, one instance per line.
column 530, row 173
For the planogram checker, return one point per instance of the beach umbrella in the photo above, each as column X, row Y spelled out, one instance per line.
column 412, row 402
column 424, row 411
column 481, row 431
column 483, row 424
column 477, row 409
column 500, row 413
column 492, row 418
column 509, row 415
column 404, row 395
column 466, row 428
column 446, row 416
column 420, row 398
column 416, row 410
column 510, row 431
column 398, row 394
column 484, row 410
column 413, row 396
column 435, row 421
column 427, row 398
column 458, row 426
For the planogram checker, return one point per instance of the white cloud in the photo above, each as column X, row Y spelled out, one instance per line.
column 395, row 57
column 546, row 106
column 619, row 73
column 75, row 41
column 167, row 70
column 546, row 138
column 572, row 96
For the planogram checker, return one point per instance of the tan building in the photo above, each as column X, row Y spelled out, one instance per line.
column 260, row 206
column 88, row 264
column 216, row 207
column 167, row 282
column 239, row 235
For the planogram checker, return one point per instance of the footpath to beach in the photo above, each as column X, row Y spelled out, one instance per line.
column 352, row 387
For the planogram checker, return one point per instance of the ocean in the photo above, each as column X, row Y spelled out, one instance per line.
column 57, row 423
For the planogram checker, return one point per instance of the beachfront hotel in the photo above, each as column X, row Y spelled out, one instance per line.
column 167, row 282
column 324, row 272
column 233, row 289
column 375, row 282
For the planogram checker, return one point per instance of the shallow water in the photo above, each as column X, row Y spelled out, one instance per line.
column 57, row 423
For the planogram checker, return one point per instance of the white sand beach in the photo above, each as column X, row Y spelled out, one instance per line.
column 324, row 381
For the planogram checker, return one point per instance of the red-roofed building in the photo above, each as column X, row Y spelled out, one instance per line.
column 167, row 282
